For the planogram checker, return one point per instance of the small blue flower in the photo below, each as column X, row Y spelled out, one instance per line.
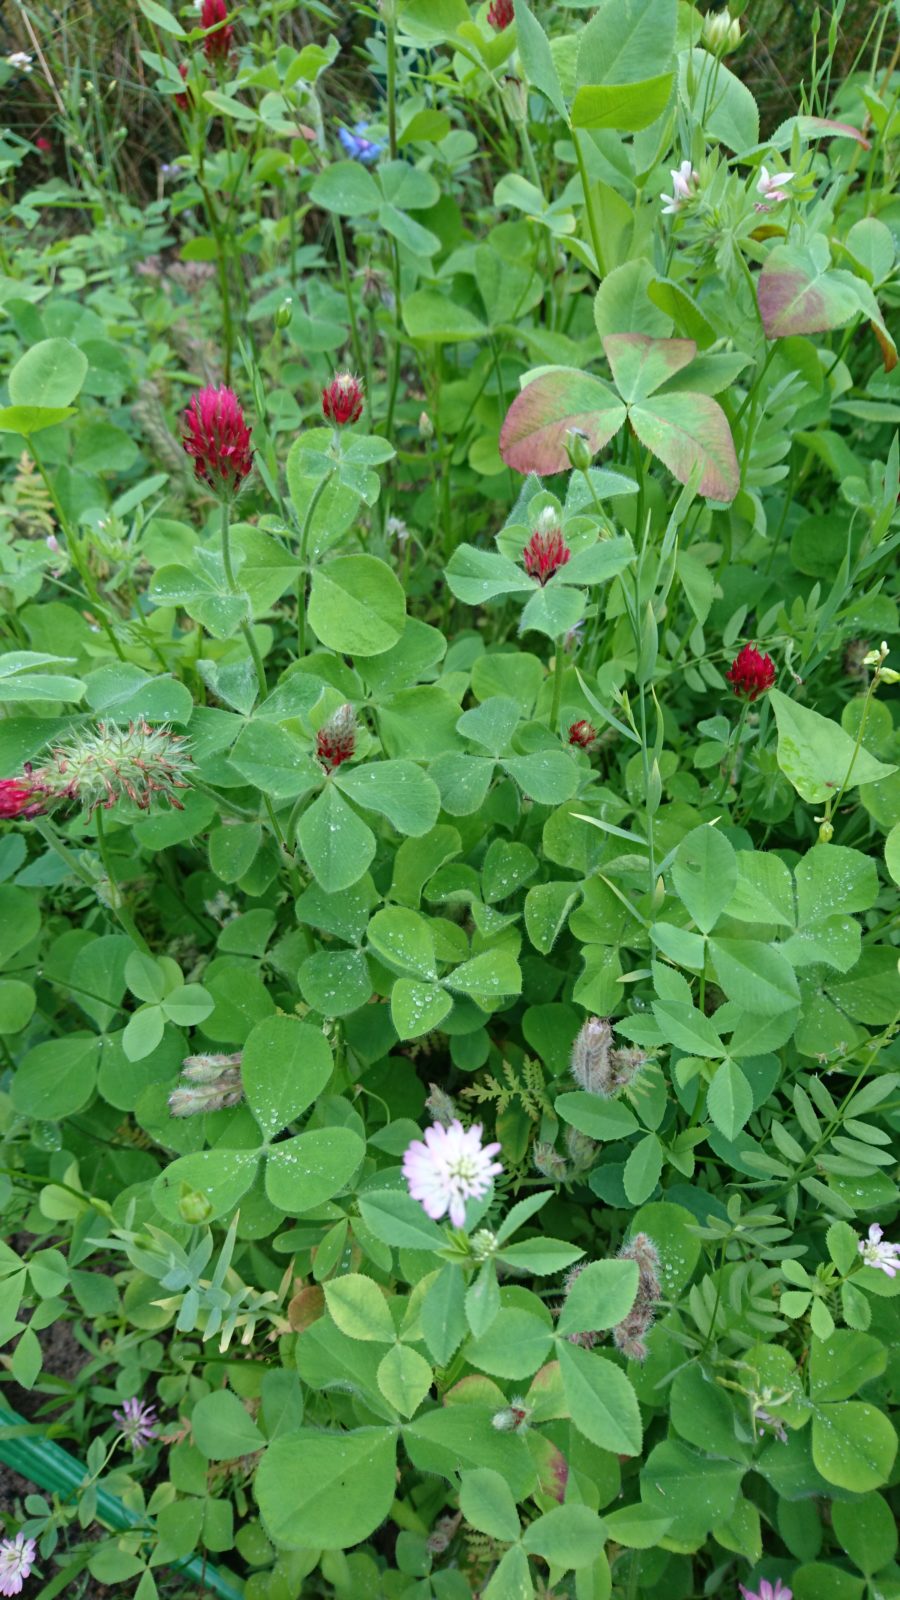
column 358, row 146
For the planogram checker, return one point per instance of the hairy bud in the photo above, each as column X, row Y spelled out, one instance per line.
column 599, row 1068
column 336, row 739
column 548, row 1162
column 213, row 1084
column 441, row 1106
column 629, row 1335
column 582, row 1149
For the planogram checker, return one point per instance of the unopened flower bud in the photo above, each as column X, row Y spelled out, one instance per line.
column 484, row 1244
column 513, row 1418
column 630, row 1333
column 548, row 1162
column 441, row 1106
column 336, row 739
column 342, row 400
column 578, row 449
column 426, row 426
column 515, row 98
column 582, row 1149
column 213, row 1084
column 721, row 32
column 590, row 1056
column 826, row 832
column 194, row 1207
column 284, row 313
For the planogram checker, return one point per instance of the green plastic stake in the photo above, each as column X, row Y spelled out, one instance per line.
column 49, row 1466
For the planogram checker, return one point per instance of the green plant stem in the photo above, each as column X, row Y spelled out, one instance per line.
column 831, row 805
column 246, row 627
column 391, row 41
column 341, row 247
column 558, row 669
column 734, row 745
column 50, row 836
column 117, row 896
column 589, row 206
column 314, row 499
column 222, row 270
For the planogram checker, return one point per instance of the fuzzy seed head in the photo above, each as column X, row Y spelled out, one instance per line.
column 98, row 766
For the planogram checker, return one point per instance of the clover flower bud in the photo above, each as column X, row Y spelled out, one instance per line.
column 578, row 449
column 336, row 739
column 501, row 13
column 441, row 1106
column 546, row 550
column 342, row 400
column 213, row 1084
column 581, row 1148
column 583, row 734
column 548, row 1161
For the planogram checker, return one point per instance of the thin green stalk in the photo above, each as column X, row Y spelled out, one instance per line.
column 391, row 31
column 558, row 669
column 734, row 745
column 246, row 627
column 589, row 206
column 50, row 836
column 314, row 499
column 117, row 898
column 222, row 269
column 73, row 545
column 341, row 247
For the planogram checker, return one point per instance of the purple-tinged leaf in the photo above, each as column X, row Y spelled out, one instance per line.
column 816, row 128
column 683, row 429
column 798, row 294
column 641, row 364
column 533, row 436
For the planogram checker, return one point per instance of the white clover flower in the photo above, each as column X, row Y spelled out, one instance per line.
column 449, row 1168
column 684, row 184
column 885, row 1257
column 773, row 185
column 22, row 62
column 16, row 1561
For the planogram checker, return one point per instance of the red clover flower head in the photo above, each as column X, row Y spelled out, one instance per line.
column 336, row 739
column 583, row 734
column 181, row 99
column 500, row 14
column 342, row 400
column 19, row 799
column 751, row 673
column 546, row 550
column 217, row 439
column 216, row 46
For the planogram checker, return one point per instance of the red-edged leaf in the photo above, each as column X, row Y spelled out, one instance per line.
column 533, row 436
column 685, row 428
column 798, row 294
column 641, row 364
column 816, row 128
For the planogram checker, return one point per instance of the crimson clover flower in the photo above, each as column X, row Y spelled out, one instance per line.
column 546, row 550
column 217, row 439
column 751, row 673
column 500, row 14
column 19, row 799
column 216, row 46
column 583, row 734
column 342, row 400
column 449, row 1168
